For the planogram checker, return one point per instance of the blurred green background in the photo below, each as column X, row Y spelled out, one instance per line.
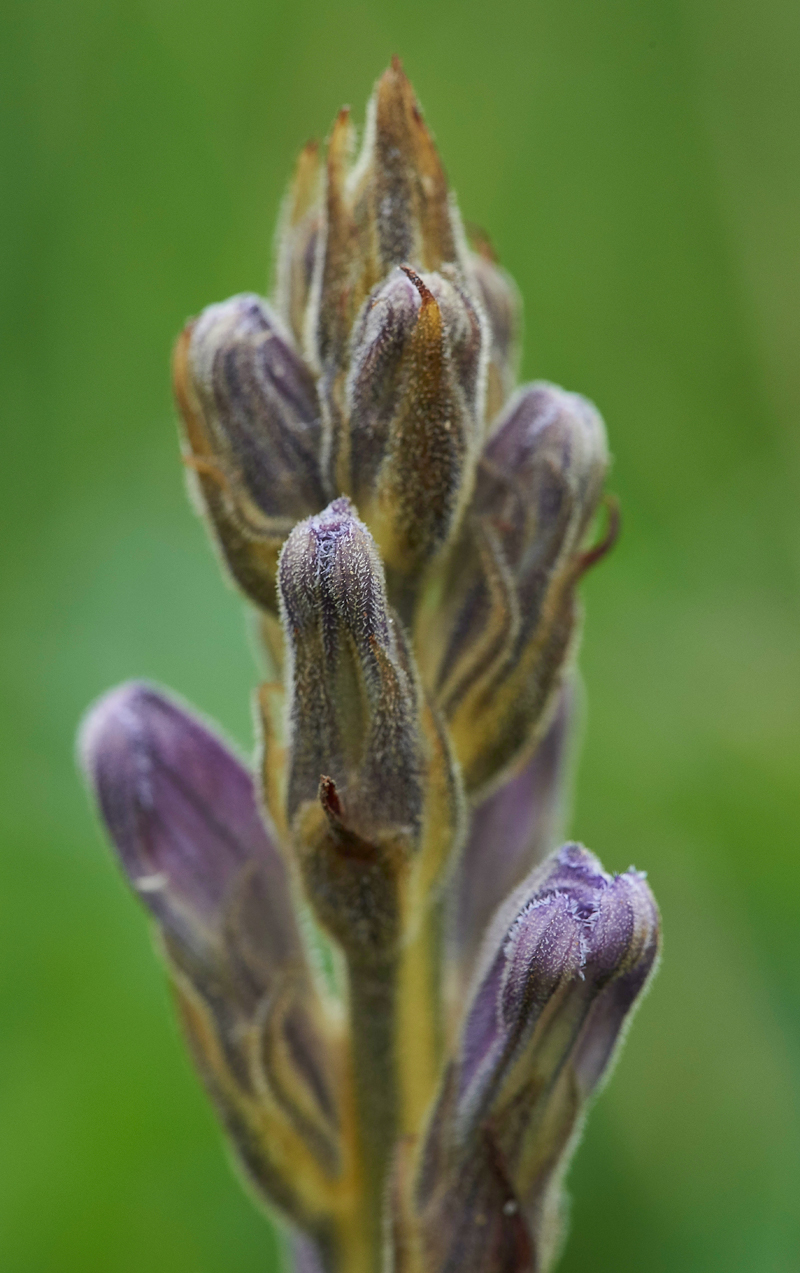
column 637, row 164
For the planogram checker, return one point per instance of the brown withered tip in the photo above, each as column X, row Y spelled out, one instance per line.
column 329, row 798
column 346, row 842
column 595, row 554
column 427, row 295
column 395, row 71
column 339, row 134
column 308, row 156
column 305, row 182
column 395, row 89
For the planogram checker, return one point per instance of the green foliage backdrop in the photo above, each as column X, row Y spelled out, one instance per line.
column 636, row 162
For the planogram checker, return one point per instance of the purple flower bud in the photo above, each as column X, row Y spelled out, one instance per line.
column 498, row 657
column 252, row 424
column 355, row 783
column 354, row 701
column 561, row 968
column 182, row 813
column 183, row 816
column 511, row 831
column 260, row 403
column 414, row 405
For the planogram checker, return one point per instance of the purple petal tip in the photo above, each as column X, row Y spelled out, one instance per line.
column 180, row 807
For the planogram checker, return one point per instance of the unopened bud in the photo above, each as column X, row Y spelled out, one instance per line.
column 355, row 758
column 183, row 815
column 252, row 427
column 414, row 409
column 509, row 588
column 561, row 968
column 354, row 706
column 371, row 794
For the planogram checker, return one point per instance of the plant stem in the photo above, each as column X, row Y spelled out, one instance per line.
column 372, row 1011
column 419, row 1022
column 395, row 1032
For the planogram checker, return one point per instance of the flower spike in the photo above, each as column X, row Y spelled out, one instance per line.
column 399, row 1004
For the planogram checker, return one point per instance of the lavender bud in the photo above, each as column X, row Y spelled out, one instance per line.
column 371, row 795
column 561, row 968
column 252, row 426
column 183, row 816
column 182, row 813
column 355, row 753
column 354, row 706
column 414, row 406
column 496, row 652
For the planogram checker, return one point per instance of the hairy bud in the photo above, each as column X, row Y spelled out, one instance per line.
column 391, row 207
column 509, row 610
column 183, row 815
column 354, row 704
column 365, row 761
column 561, row 970
column 414, row 415
column 252, row 428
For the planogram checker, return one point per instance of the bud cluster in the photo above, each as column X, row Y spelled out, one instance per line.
column 411, row 529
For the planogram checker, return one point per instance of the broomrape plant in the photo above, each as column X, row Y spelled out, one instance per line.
column 398, row 1002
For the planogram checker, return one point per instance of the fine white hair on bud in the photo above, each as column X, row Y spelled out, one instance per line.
column 353, row 707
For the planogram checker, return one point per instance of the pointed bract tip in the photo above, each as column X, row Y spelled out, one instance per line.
column 426, row 294
column 394, row 79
